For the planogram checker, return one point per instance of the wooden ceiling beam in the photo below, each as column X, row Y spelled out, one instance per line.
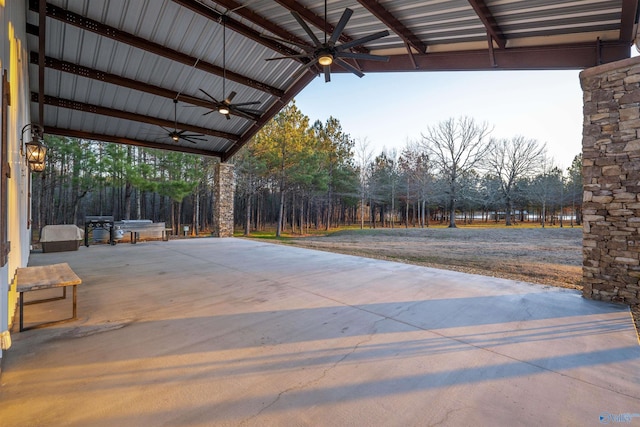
column 119, row 114
column 394, row 24
column 490, row 23
column 87, row 24
column 318, row 22
column 128, row 141
column 90, row 73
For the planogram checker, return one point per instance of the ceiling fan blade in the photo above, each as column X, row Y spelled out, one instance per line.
column 250, row 111
column 209, row 112
column 240, row 104
column 365, row 56
column 306, row 28
column 228, row 116
column 230, row 98
column 302, row 55
column 193, row 138
column 349, row 67
column 362, row 40
column 184, row 133
column 247, row 110
column 303, row 69
column 304, row 47
column 246, row 114
column 327, row 73
column 188, row 140
column 166, row 130
column 337, row 31
column 214, row 100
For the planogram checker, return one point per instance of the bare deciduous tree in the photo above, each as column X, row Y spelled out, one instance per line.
column 456, row 147
column 511, row 160
column 364, row 155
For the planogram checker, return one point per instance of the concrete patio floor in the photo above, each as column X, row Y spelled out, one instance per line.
column 206, row 332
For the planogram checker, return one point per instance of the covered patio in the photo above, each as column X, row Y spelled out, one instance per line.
column 239, row 332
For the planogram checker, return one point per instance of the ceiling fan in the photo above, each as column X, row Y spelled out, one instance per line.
column 328, row 52
column 178, row 135
column 226, row 107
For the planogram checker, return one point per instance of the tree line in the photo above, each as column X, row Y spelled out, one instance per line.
column 83, row 178
column 300, row 175
column 295, row 175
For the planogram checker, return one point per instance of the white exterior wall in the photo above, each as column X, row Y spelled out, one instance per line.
column 14, row 58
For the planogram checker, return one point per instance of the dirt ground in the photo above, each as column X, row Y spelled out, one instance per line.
column 550, row 256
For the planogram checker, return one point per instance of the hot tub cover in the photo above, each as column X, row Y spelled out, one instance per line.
column 61, row 233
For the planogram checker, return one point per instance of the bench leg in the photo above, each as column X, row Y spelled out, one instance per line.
column 21, row 311
column 75, row 300
column 55, row 322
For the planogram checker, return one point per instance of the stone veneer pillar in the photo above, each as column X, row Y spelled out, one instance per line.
column 611, row 173
column 223, row 203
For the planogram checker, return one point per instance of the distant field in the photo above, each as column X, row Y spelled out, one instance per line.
column 550, row 256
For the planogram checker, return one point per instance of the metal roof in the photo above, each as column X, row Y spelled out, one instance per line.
column 110, row 69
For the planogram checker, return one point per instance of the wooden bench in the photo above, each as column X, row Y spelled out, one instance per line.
column 46, row 277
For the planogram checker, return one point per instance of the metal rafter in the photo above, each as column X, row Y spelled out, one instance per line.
column 269, row 114
column 627, row 18
column 259, row 20
column 236, row 26
column 90, row 73
column 489, row 22
column 123, row 37
column 394, row 24
column 317, row 21
column 560, row 57
column 112, row 112
column 42, row 22
column 565, row 56
column 128, row 141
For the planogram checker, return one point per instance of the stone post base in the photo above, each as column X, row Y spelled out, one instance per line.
column 611, row 173
column 223, row 203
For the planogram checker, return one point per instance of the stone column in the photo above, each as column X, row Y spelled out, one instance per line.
column 611, row 173
column 223, row 203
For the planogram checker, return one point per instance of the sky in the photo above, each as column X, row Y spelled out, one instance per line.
column 390, row 109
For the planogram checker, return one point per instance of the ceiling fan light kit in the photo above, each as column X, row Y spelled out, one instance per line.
column 328, row 52
column 325, row 59
column 226, row 107
column 176, row 135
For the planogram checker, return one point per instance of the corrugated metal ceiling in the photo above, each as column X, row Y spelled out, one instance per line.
column 114, row 67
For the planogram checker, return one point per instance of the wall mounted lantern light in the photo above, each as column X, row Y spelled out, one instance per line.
column 36, row 167
column 33, row 149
